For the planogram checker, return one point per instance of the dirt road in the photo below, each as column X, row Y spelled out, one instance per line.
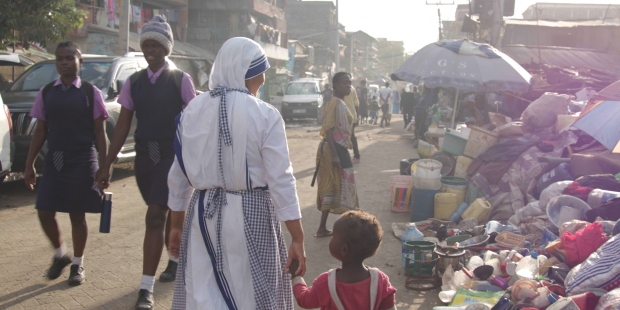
column 114, row 261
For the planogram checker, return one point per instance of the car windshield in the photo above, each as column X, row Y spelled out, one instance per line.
column 40, row 75
column 307, row 88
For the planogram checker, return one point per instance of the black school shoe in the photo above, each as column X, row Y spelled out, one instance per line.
column 145, row 300
column 170, row 274
column 58, row 264
column 77, row 276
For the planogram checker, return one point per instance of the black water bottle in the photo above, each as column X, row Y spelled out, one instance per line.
column 106, row 213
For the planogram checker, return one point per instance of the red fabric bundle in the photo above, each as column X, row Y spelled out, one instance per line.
column 578, row 190
column 584, row 242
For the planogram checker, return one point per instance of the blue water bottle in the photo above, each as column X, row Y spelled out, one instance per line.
column 106, row 213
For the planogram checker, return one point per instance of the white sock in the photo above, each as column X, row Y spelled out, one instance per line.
column 78, row 261
column 170, row 257
column 147, row 283
column 61, row 251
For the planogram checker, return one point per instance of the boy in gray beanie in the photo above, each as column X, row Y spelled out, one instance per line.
column 159, row 30
column 156, row 97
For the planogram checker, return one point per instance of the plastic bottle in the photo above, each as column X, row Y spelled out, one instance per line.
column 474, row 262
column 458, row 212
column 503, row 303
column 411, row 234
column 527, row 268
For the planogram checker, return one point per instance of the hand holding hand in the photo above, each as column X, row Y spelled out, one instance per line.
column 102, row 178
column 297, row 254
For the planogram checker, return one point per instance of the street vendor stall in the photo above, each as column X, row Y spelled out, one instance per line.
column 464, row 66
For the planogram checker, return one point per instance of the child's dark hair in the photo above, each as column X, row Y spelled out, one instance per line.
column 363, row 233
column 73, row 45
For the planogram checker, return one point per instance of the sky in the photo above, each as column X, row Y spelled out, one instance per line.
column 413, row 21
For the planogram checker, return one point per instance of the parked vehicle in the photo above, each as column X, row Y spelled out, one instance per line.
column 108, row 73
column 302, row 99
column 7, row 146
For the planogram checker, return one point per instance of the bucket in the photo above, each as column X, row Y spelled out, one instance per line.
column 564, row 208
column 401, row 192
column 454, row 185
column 462, row 163
column 598, row 196
column 422, row 204
column 426, row 183
column 427, row 174
column 448, row 257
column 479, row 209
column 428, row 168
column 445, row 205
column 480, row 140
column 447, row 162
column 405, row 166
column 420, row 264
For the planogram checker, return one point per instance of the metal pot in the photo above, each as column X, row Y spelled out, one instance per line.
column 448, row 256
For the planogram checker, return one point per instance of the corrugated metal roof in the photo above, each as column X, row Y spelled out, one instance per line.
column 561, row 23
column 565, row 57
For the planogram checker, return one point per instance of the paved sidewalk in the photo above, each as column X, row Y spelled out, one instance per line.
column 113, row 261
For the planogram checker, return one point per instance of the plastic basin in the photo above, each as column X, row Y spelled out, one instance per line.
column 565, row 208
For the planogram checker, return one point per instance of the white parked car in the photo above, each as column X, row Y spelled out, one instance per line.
column 302, row 99
column 6, row 141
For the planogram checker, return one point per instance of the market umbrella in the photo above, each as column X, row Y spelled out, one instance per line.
column 611, row 93
column 466, row 66
column 601, row 122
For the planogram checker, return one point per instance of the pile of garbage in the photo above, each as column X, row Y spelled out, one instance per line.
column 493, row 266
column 522, row 214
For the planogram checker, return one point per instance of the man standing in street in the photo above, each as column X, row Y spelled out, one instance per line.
column 353, row 105
column 157, row 95
column 408, row 101
column 385, row 95
column 327, row 93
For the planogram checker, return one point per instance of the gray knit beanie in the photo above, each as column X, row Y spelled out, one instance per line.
column 159, row 30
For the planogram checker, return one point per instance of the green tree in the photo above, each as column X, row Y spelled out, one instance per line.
column 38, row 20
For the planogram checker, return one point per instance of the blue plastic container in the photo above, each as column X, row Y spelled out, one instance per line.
column 423, row 204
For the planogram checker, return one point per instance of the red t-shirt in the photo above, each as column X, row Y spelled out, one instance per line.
column 352, row 295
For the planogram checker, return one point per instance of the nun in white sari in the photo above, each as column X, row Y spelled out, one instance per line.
column 230, row 185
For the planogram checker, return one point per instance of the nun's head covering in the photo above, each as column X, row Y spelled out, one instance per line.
column 238, row 60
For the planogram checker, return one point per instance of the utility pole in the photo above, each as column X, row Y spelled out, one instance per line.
column 498, row 20
column 438, row 3
column 337, row 59
column 123, row 29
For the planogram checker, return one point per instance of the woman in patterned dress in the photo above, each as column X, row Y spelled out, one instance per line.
column 336, row 181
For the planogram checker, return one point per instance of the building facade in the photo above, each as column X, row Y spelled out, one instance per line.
column 314, row 24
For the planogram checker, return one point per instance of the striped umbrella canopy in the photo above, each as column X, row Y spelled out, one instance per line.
column 466, row 66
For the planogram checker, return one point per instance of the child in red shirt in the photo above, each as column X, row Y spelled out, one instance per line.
column 356, row 237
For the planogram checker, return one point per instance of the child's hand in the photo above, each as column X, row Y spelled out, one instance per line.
column 293, row 267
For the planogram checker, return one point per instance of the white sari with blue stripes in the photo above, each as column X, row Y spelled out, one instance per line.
column 233, row 175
